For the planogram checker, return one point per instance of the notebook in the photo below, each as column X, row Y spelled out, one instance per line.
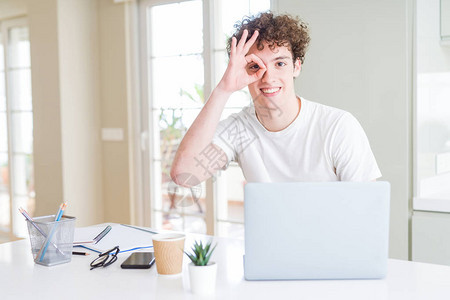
column 307, row 230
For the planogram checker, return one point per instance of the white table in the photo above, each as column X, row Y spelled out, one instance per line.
column 21, row 278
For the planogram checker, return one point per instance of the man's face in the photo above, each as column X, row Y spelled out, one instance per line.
column 276, row 87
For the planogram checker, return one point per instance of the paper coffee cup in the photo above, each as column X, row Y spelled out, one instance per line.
column 169, row 250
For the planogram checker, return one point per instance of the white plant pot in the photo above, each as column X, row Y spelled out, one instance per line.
column 203, row 278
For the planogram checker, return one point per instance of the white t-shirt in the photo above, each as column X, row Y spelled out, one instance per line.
column 322, row 144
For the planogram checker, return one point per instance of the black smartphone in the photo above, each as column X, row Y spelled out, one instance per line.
column 139, row 260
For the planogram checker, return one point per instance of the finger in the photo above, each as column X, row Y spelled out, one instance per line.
column 259, row 74
column 262, row 67
column 254, row 58
column 233, row 46
column 243, row 39
column 251, row 41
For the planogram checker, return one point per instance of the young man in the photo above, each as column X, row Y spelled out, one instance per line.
column 281, row 137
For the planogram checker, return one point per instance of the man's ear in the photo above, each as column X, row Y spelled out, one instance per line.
column 297, row 67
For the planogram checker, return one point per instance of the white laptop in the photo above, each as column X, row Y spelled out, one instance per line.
column 308, row 230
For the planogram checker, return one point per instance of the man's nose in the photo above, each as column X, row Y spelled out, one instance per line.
column 268, row 75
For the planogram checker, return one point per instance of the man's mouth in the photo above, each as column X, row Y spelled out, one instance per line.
column 269, row 91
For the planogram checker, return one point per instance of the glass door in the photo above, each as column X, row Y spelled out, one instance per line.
column 175, row 69
column 184, row 54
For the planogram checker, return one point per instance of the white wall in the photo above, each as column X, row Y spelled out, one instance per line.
column 9, row 9
column 115, row 110
column 64, row 67
column 80, row 109
column 79, row 85
column 43, row 26
column 68, row 109
column 360, row 60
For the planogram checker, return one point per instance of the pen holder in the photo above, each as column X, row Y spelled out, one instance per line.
column 51, row 241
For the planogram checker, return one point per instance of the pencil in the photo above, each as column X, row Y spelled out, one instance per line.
column 79, row 253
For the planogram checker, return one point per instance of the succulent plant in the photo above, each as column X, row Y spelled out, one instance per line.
column 201, row 253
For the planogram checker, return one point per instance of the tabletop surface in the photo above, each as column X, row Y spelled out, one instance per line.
column 21, row 278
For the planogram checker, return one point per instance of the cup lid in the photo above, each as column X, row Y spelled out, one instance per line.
column 168, row 236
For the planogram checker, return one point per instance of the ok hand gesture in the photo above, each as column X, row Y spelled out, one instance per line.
column 237, row 74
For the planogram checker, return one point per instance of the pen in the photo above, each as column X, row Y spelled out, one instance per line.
column 102, row 234
column 27, row 216
column 137, row 228
column 43, row 250
column 79, row 253
column 30, row 219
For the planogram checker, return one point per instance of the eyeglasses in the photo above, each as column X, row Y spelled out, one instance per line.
column 106, row 258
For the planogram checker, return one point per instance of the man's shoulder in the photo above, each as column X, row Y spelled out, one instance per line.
column 246, row 114
column 324, row 112
column 247, row 111
column 241, row 119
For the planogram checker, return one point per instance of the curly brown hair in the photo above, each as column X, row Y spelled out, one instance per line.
column 276, row 31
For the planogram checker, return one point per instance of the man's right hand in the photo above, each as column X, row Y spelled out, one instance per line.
column 237, row 75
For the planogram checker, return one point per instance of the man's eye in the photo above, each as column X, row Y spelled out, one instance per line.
column 254, row 67
column 281, row 64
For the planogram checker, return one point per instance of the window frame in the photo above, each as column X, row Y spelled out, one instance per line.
column 5, row 27
column 419, row 201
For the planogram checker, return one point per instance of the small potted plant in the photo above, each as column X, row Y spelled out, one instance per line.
column 202, row 272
